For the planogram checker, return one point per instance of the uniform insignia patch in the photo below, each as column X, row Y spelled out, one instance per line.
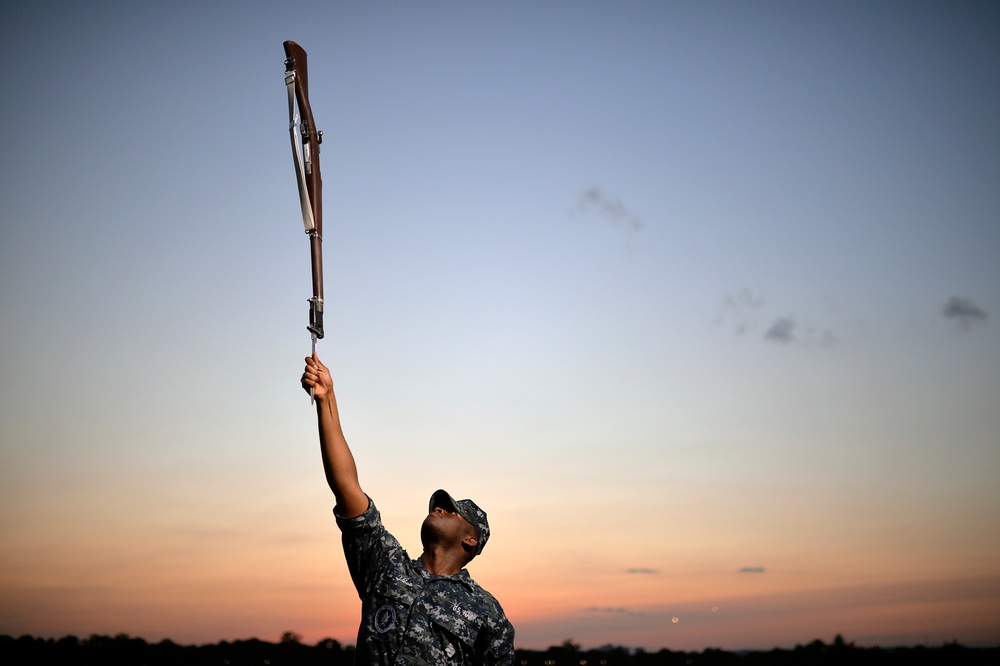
column 385, row 618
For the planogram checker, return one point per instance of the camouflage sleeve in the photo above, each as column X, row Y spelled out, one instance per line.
column 366, row 544
column 501, row 651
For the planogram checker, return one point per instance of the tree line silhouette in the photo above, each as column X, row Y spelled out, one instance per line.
column 124, row 650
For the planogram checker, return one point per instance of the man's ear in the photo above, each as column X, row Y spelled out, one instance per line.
column 470, row 542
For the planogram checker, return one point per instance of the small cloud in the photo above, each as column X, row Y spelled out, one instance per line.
column 640, row 570
column 596, row 200
column 752, row 570
column 739, row 310
column 963, row 311
column 743, row 298
column 612, row 611
column 782, row 330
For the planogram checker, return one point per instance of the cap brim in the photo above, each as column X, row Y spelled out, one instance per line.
column 442, row 499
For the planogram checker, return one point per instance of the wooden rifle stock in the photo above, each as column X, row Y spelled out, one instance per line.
column 306, row 155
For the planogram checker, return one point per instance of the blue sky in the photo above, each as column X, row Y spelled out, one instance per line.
column 698, row 300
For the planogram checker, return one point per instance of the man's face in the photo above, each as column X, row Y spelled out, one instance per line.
column 444, row 525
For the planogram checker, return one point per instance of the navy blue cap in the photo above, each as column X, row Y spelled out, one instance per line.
column 468, row 510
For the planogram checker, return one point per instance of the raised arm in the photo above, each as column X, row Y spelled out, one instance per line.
column 338, row 461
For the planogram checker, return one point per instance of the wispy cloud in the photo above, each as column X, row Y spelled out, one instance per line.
column 739, row 310
column 753, row 570
column 963, row 311
column 745, row 310
column 641, row 570
column 613, row 611
column 595, row 200
column 744, row 298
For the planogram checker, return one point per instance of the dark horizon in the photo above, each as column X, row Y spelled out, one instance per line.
column 289, row 649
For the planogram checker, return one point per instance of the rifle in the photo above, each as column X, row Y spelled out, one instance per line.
column 305, row 153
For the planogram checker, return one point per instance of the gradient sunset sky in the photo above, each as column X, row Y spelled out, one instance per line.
column 699, row 300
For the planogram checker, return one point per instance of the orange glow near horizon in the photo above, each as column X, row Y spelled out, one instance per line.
column 702, row 307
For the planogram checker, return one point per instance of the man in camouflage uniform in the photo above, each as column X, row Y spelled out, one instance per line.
column 427, row 610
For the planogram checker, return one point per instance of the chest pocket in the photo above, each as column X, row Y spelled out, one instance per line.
column 459, row 633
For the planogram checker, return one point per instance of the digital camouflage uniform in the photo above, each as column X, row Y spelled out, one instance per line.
column 410, row 616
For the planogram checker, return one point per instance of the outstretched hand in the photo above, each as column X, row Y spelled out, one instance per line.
column 316, row 376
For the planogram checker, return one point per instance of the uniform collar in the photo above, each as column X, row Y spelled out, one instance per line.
column 460, row 577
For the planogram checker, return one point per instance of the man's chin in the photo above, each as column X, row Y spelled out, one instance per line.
column 428, row 531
